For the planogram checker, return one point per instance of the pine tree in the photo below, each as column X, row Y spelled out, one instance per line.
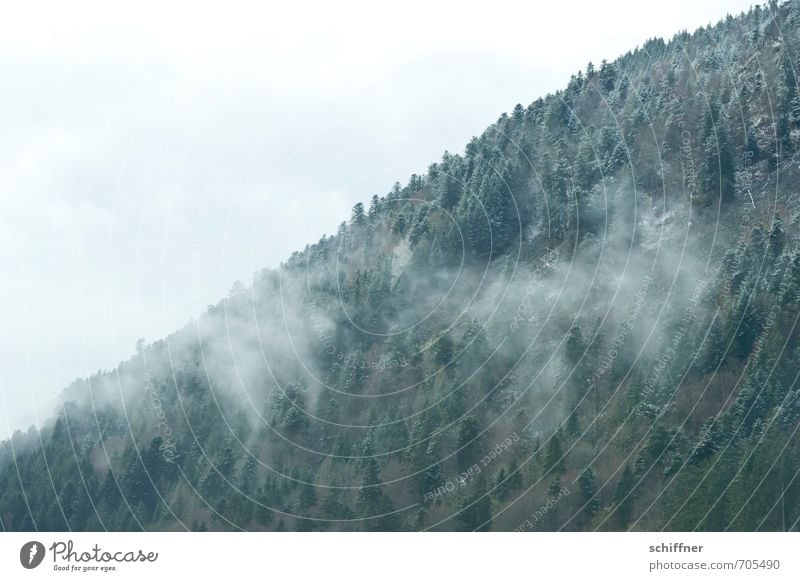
column 475, row 513
column 718, row 167
column 588, row 489
column 623, row 497
column 554, row 456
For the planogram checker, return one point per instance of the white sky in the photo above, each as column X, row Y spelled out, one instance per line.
column 152, row 155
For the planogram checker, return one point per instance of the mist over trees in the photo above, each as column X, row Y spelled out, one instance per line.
column 585, row 321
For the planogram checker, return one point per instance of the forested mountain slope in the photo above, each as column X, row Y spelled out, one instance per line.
column 585, row 321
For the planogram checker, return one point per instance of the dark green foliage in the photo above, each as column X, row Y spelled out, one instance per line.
column 475, row 513
column 624, row 497
column 554, row 459
column 468, row 445
column 718, row 168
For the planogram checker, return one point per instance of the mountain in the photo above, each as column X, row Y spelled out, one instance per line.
column 585, row 321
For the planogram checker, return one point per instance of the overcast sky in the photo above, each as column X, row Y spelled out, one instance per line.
column 151, row 156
